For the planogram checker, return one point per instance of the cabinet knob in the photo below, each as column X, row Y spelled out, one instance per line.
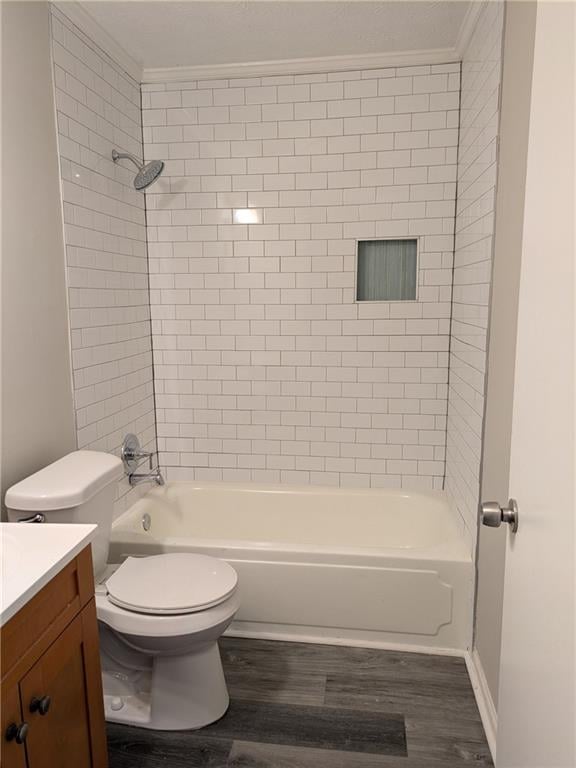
column 40, row 705
column 17, row 733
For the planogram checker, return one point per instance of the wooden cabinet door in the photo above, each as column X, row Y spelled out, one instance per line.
column 12, row 754
column 64, row 736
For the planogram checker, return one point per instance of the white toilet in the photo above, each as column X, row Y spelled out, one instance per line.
column 160, row 617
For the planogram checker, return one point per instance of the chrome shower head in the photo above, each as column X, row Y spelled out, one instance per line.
column 147, row 173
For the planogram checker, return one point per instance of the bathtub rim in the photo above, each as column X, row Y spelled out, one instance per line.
column 297, row 488
column 454, row 549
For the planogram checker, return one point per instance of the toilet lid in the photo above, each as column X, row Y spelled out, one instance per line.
column 171, row 584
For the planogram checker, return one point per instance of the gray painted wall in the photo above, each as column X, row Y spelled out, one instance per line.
column 37, row 412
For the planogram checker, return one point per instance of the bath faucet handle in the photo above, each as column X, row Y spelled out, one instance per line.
column 132, row 454
column 145, row 455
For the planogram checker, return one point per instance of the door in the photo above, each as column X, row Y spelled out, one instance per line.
column 54, row 697
column 536, row 712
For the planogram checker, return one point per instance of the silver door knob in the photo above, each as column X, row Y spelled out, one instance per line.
column 493, row 515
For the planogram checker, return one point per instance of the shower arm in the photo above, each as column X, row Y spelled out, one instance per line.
column 126, row 156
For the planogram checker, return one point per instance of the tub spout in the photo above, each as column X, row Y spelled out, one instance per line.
column 148, row 477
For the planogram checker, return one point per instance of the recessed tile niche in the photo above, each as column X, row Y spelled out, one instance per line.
column 387, row 270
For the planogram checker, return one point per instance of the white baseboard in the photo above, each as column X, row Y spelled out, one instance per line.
column 484, row 699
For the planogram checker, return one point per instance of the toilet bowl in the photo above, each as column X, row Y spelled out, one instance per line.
column 160, row 617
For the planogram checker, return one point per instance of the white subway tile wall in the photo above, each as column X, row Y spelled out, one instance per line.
column 477, row 157
column 98, row 108
column 266, row 367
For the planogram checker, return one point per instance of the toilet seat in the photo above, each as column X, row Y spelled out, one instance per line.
column 172, row 584
column 170, row 625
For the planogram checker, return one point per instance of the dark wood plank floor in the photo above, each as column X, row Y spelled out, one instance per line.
column 319, row 706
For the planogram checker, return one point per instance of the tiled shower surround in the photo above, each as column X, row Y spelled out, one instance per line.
column 266, row 368
column 98, row 108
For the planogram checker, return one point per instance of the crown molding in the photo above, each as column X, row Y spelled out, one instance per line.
column 468, row 26
column 78, row 15
column 301, row 66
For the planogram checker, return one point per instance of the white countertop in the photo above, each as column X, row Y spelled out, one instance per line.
column 31, row 554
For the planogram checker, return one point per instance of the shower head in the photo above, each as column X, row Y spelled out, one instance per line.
column 147, row 173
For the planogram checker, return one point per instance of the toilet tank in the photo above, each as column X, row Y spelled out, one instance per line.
column 78, row 488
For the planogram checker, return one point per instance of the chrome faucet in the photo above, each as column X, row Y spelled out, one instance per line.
column 146, row 477
column 132, row 456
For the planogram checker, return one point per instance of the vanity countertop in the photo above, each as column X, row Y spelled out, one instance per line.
column 31, row 554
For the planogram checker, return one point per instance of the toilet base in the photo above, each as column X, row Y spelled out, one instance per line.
column 175, row 693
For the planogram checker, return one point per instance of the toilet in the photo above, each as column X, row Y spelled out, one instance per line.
column 159, row 617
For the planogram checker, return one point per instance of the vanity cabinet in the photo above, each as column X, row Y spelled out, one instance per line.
column 52, row 710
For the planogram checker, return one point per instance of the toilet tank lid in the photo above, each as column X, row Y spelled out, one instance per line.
column 72, row 480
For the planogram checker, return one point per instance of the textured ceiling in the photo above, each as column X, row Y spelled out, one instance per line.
column 172, row 34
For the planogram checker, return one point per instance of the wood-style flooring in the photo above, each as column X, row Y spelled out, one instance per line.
column 319, row 706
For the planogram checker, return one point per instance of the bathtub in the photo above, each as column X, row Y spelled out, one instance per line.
column 381, row 568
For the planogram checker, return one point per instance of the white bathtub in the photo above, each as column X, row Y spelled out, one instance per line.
column 367, row 567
